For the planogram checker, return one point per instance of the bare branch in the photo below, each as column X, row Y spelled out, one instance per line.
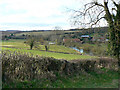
column 93, row 5
column 115, row 3
column 98, row 4
column 89, row 4
column 97, row 21
column 76, row 11
column 114, row 9
column 100, row 13
column 88, row 9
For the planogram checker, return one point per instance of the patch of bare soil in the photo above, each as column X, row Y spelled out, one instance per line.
column 8, row 45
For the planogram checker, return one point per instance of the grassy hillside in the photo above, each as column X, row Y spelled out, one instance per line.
column 20, row 44
column 29, row 33
column 14, row 43
column 52, row 54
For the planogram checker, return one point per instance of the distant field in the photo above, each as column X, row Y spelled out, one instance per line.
column 43, row 33
column 35, row 33
column 54, row 50
column 29, row 33
column 21, row 44
column 73, row 31
column 14, row 43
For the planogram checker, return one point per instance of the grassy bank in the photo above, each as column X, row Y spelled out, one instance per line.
column 107, row 79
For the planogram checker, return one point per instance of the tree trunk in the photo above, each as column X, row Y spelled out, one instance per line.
column 31, row 46
column 46, row 48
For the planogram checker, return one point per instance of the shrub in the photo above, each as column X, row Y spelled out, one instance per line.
column 98, row 49
column 18, row 66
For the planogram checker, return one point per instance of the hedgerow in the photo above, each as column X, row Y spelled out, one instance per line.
column 19, row 66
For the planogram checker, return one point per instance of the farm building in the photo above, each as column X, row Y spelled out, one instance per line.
column 85, row 36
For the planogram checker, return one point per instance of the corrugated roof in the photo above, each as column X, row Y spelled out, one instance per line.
column 85, row 36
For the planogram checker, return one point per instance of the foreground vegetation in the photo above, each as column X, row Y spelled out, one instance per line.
column 107, row 79
column 24, row 71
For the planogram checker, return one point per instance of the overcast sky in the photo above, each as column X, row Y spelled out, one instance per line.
column 36, row 14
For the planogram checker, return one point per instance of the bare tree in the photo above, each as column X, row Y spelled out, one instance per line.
column 46, row 44
column 34, row 41
column 31, row 41
column 95, row 12
column 58, row 31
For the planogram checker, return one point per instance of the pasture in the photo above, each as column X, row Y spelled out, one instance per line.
column 43, row 33
column 55, row 51
column 20, row 44
column 52, row 54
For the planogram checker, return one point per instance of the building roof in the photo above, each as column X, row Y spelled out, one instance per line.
column 85, row 36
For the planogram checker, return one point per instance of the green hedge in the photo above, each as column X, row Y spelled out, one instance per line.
column 18, row 66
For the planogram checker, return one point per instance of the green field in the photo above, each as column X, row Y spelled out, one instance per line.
column 43, row 33
column 21, row 44
column 15, row 43
column 29, row 33
column 52, row 54
column 18, row 45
